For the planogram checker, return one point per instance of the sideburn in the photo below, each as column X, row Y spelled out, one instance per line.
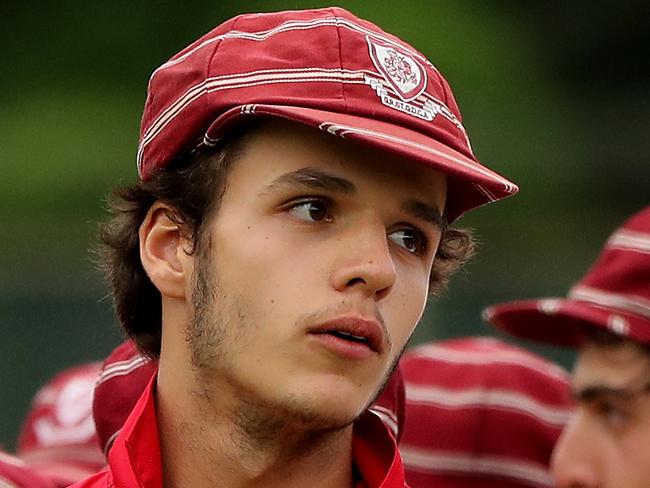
column 203, row 337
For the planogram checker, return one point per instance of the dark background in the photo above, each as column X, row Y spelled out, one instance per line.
column 555, row 95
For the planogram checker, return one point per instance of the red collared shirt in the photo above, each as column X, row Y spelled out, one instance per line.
column 134, row 458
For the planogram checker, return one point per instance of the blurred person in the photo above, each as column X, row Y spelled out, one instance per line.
column 57, row 439
column 481, row 413
column 606, row 316
column 275, row 270
column 15, row 474
column 57, row 445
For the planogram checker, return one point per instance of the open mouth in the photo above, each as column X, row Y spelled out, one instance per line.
column 348, row 337
column 344, row 344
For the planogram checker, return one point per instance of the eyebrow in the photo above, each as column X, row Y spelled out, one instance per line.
column 313, row 179
column 595, row 392
column 427, row 213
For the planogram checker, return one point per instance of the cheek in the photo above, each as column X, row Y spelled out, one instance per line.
column 633, row 449
column 407, row 304
column 261, row 259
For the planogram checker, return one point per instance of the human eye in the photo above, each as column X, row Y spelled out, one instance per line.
column 611, row 413
column 312, row 209
column 411, row 239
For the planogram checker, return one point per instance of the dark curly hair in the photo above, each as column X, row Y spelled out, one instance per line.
column 606, row 338
column 193, row 186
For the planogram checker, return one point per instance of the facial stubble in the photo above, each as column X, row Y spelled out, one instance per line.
column 218, row 328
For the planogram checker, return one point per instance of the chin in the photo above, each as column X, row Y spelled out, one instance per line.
column 321, row 419
column 321, row 413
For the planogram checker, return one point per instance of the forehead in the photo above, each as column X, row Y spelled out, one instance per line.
column 276, row 146
column 614, row 365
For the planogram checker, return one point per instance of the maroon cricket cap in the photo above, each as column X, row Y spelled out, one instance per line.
column 614, row 294
column 124, row 376
column 323, row 68
column 481, row 413
column 57, row 439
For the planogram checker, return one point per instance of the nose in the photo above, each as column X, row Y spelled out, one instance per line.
column 574, row 462
column 365, row 262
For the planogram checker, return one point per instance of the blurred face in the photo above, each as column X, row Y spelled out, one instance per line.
column 606, row 443
column 315, row 274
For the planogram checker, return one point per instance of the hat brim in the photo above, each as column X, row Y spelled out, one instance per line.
column 470, row 184
column 556, row 321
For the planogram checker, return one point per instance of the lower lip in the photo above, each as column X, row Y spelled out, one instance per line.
column 342, row 347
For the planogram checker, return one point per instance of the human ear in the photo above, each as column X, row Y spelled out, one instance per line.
column 162, row 251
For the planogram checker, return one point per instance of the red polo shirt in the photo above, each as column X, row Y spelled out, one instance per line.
column 134, row 458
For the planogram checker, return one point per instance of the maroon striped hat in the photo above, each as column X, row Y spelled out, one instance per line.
column 124, row 376
column 614, row 294
column 324, row 68
column 57, row 439
column 481, row 413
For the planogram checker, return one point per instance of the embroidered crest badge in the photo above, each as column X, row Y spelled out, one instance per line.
column 401, row 70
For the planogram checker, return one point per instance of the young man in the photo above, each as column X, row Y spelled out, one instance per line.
column 298, row 173
column 607, row 316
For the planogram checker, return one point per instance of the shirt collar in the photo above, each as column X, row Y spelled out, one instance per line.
column 375, row 454
column 135, row 455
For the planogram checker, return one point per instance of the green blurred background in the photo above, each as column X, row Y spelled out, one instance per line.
column 555, row 95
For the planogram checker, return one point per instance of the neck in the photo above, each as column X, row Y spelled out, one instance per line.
column 223, row 440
